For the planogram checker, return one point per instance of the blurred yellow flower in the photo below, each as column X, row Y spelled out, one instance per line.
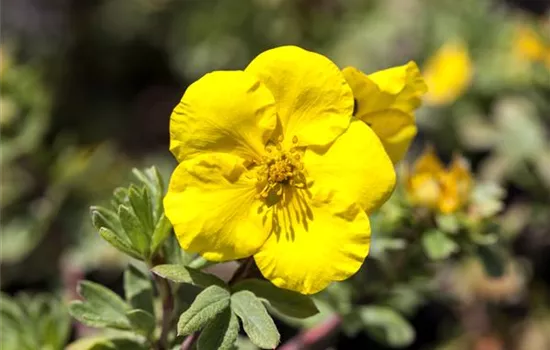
column 271, row 165
column 529, row 46
column 430, row 185
column 386, row 101
column 448, row 73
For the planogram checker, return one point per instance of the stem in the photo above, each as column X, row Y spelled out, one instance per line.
column 313, row 336
column 189, row 341
column 165, row 293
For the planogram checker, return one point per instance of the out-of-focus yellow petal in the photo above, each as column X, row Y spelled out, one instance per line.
column 423, row 186
column 225, row 111
column 386, row 101
column 456, row 185
column 527, row 45
column 211, row 203
column 428, row 162
column 448, row 73
column 355, row 167
column 314, row 102
column 318, row 240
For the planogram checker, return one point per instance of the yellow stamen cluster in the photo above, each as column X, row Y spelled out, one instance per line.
column 279, row 168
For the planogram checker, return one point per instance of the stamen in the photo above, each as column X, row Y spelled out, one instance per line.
column 280, row 168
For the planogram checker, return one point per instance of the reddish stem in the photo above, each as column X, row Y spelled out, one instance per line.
column 315, row 335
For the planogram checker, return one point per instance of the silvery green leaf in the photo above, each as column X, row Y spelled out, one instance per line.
column 119, row 243
column 387, row 326
column 290, row 303
column 437, row 245
column 184, row 274
column 134, row 229
column 447, row 223
column 161, row 232
column 103, row 217
column 207, row 305
column 141, row 206
column 138, row 289
column 142, row 321
column 220, row 333
column 101, row 307
column 257, row 323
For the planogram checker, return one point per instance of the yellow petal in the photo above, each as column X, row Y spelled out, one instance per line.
column 428, row 162
column 423, row 182
column 448, row 73
column 386, row 100
column 225, row 111
column 404, row 83
column 527, row 44
column 318, row 241
column 355, row 168
column 314, row 102
column 456, row 185
column 211, row 204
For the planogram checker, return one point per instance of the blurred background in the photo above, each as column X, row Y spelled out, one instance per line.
column 87, row 88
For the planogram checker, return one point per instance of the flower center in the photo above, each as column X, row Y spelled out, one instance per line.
column 280, row 168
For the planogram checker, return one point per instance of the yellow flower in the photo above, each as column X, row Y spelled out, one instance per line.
column 272, row 166
column 448, row 73
column 529, row 46
column 386, row 101
column 431, row 185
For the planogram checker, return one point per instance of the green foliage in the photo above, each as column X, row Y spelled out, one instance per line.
column 142, row 321
column 387, row 326
column 209, row 303
column 33, row 322
column 137, row 225
column 101, row 307
column 257, row 323
column 138, row 289
column 183, row 274
column 116, row 342
column 285, row 301
column 438, row 245
column 220, row 333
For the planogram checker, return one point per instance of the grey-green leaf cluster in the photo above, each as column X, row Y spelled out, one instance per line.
column 29, row 323
column 135, row 224
column 217, row 309
column 102, row 308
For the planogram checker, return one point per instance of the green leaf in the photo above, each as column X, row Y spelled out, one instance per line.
column 162, row 230
column 103, row 217
column 142, row 321
column 209, row 303
column 118, row 243
column 387, row 326
column 493, row 262
column 220, row 333
column 257, row 323
column 134, row 229
column 107, row 343
column 437, row 245
column 448, row 223
column 183, row 274
column 153, row 180
column 139, row 200
column 90, row 316
column 138, row 289
column 100, row 296
column 120, row 197
column 101, row 307
column 285, row 301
